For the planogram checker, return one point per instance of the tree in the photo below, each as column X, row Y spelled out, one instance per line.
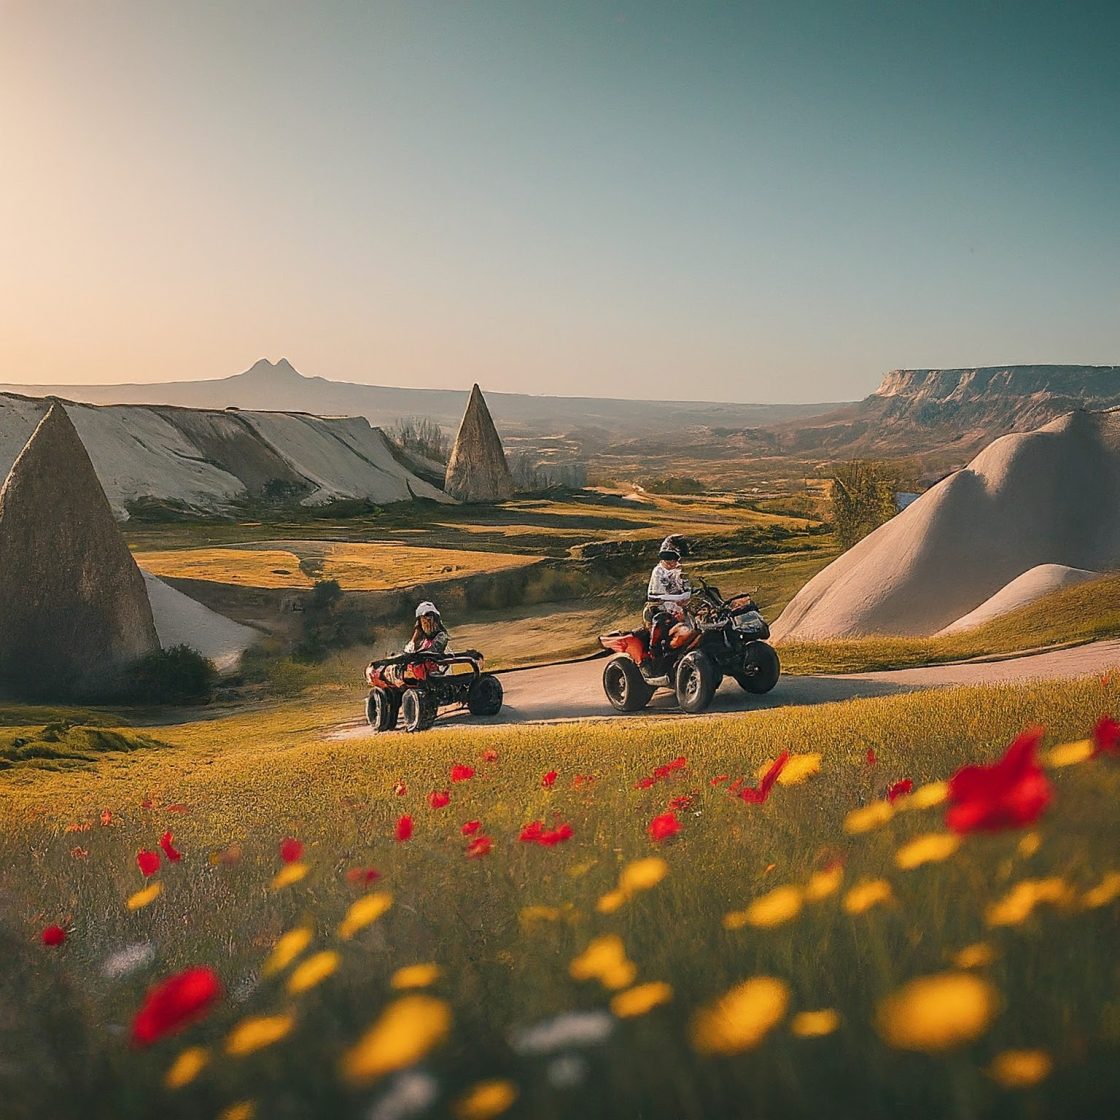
column 422, row 435
column 863, row 493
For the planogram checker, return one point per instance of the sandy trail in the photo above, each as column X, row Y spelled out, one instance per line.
column 574, row 692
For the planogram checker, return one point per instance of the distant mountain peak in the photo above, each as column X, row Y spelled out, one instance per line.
column 264, row 370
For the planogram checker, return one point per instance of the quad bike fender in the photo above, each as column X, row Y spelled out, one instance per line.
column 634, row 643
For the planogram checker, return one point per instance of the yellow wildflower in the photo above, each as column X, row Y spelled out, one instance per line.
column 313, row 971
column 1104, row 892
column 1020, row 1069
column 1069, row 754
column 821, row 884
column 776, row 907
column 242, row 1110
column 288, row 874
column 866, row 894
column 485, row 1100
column 935, row 1013
column 186, row 1067
column 415, row 976
column 365, row 910
column 286, row 949
column 1029, row 844
column 642, row 874
column 931, row 847
column 735, row 919
column 257, row 1032
column 1019, row 903
column 869, row 817
column 815, row 1024
column 406, row 1031
column 976, row 955
column 797, row 769
column 604, row 960
column 925, row 797
column 639, row 1000
column 610, row 902
column 142, row 897
column 741, row 1018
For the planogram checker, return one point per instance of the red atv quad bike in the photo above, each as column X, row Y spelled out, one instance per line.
column 720, row 637
column 411, row 697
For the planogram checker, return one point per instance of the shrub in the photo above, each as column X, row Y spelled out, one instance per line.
column 179, row 675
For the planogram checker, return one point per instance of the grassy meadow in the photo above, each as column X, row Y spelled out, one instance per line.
column 759, row 962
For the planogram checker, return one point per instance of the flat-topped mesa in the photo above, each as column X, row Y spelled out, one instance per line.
column 1089, row 384
column 73, row 607
column 477, row 470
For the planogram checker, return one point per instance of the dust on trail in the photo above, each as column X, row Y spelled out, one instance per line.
column 563, row 693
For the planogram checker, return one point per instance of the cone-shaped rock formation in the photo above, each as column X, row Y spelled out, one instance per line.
column 477, row 470
column 73, row 606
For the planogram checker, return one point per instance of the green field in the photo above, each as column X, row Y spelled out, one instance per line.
column 504, row 929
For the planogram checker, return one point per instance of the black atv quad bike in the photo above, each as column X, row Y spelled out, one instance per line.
column 721, row 637
column 411, row 697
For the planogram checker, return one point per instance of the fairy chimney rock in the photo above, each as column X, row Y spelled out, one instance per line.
column 73, row 606
column 477, row 470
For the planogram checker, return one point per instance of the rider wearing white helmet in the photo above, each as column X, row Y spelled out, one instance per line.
column 667, row 594
column 429, row 634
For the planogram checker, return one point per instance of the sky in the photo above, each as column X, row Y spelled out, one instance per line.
column 771, row 202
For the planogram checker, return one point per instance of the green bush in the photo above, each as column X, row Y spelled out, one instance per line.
column 179, row 675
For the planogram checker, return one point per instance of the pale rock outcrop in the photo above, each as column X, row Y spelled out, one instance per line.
column 73, row 607
column 1031, row 587
column 477, row 470
column 1045, row 497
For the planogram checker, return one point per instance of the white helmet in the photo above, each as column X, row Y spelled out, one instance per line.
column 427, row 608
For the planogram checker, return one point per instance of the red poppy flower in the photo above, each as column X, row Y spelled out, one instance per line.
column 362, row 876
column 718, row 780
column 166, row 843
column 54, row 935
column 438, row 798
column 684, row 801
column 148, row 862
column 549, row 780
column 531, row 833
column 470, row 828
column 1010, row 793
column 106, row 818
column 581, row 780
column 290, row 849
column 174, row 1004
column 400, row 789
column 490, row 755
column 479, row 846
column 178, row 807
column 404, row 829
column 664, row 826
column 645, row 783
column 148, row 803
column 757, row 796
column 1106, row 737
column 871, row 759
column 461, row 773
column 678, row 763
column 898, row 789
column 552, row 836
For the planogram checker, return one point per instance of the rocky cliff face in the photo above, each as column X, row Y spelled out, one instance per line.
column 73, row 607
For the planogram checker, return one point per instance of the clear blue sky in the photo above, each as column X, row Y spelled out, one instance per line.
column 755, row 202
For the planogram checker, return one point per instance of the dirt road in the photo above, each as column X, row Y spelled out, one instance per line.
column 567, row 692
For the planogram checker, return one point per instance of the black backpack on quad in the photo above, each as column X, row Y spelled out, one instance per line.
column 407, row 691
column 721, row 637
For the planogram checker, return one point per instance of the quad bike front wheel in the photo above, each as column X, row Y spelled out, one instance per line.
column 418, row 709
column 626, row 688
column 382, row 707
column 762, row 668
column 485, row 696
column 696, row 681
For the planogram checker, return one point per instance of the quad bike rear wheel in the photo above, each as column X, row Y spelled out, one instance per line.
column 485, row 696
column 418, row 709
column 626, row 688
column 695, row 681
column 382, row 707
column 763, row 667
